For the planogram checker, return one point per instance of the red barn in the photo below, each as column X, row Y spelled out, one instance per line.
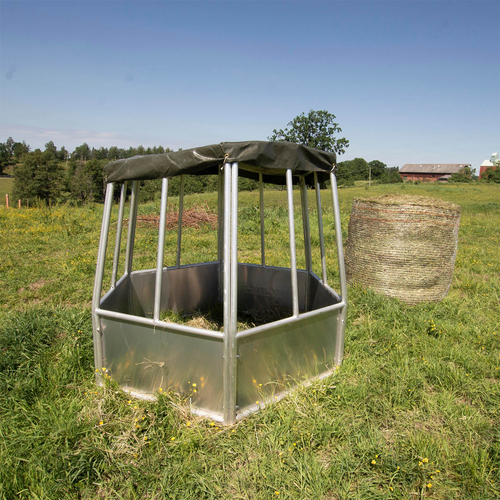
column 430, row 172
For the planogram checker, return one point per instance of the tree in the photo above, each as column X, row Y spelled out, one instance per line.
column 492, row 174
column 82, row 152
column 39, row 176
column 357, row 169
column 86, row 180
column 63, row 154
column 19, row 149
column 5, row 157
column 378, row 168
column 464, row 175
column 317, row 129
column 51, row 148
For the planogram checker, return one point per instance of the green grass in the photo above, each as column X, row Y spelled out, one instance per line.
column 418, row 391
column 6, row 188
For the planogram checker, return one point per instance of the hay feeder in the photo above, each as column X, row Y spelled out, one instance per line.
column 228, row 373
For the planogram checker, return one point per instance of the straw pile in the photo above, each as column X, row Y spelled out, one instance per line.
column 403, row 246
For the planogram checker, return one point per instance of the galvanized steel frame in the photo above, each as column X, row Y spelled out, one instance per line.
column 227, row 271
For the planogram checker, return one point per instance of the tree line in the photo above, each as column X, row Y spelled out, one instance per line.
column 54, row 175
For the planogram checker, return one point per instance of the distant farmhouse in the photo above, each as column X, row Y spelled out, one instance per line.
column 491, row 163
column 430, row 172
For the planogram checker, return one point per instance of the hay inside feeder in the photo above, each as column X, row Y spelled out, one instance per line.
column 403, row 246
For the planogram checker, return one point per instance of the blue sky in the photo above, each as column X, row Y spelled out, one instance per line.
column 409, row 82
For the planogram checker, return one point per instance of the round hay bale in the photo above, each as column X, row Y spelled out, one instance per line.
column 403, row 246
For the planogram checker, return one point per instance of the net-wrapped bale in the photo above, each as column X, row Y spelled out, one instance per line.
column 403, row 246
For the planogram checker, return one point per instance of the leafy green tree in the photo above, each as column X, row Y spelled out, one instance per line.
column 378, row 168
column 464, row 175
column 51, row 148
column 5, row 157
column 19, row 149
column 113, row 153
column 491, row 174
column 86, row 180
column 63, row 154
column 357, row 169
column 39, row 176
column 82, row 152
column 317, row 129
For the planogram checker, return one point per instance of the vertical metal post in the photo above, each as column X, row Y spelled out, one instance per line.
column 307, row 236
column 227, row 410
column 161, row 249
column 119, row 227
column 220, row 231
column 262, row 235
column 320, row 228
column 99, row 275
column 132, row 220
column 179, row 229
column 233, row 292
column 293, row 255
column 339, row 350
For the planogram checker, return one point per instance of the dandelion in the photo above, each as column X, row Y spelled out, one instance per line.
column 429, row 485
column 256, row 402
column 172, row 438
column 160, row 389
column 391, row 488
column 212, row 424
column 194, row 384
column 276, row 492
column 188, row 424
column 374, row 462
column 101, row 422
column 425, row 460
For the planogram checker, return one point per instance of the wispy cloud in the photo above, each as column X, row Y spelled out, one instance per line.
column 37, row 137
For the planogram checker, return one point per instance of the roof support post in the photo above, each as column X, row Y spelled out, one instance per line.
column 132, row 220
column 161, row 249
column 220, row 231
column 307, row 236
column 119, row 227
column 99, row 275
column 293, row 255
column 339, row 350
column 262, row 234
column 179, row 229
column 320, row 228
column 230, row 262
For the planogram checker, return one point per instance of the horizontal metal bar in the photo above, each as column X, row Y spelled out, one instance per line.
column 162, row 324
column 288, row 321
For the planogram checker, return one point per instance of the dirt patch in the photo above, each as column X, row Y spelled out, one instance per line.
column 36, row 285
column 194, row 217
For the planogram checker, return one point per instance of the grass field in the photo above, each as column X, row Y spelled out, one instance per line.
column 412, row 412
column 6, row 188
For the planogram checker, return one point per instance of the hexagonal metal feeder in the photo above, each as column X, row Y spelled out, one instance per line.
column 230, row 373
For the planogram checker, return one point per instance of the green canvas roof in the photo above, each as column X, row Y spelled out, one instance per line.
column 271, row 159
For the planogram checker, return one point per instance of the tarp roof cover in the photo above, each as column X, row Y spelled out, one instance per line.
column 271, row 159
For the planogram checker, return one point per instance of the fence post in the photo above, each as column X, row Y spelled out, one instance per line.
column 19, row 203
column 7, row 200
